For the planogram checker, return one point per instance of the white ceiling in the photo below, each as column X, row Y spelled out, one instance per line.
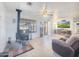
column 22, row 5
column 38, row 5
column 64, row 8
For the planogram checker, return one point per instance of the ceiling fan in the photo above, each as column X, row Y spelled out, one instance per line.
column 45, row 12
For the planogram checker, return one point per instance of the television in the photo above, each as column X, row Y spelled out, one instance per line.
column 63, row 24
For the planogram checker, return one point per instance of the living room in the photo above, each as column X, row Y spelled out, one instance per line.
column 29, row 28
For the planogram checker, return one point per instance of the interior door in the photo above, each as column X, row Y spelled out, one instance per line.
column 41, row 29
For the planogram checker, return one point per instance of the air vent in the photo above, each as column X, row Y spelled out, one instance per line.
column 29, row 3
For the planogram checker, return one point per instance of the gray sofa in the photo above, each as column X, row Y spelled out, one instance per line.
column 62, row 48
column 68, row 48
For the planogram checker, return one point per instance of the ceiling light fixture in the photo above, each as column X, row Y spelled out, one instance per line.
column 45, row 11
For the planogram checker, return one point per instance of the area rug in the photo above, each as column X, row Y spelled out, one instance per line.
column 16, row 52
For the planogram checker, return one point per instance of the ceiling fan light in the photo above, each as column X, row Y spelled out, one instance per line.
column 44, row 12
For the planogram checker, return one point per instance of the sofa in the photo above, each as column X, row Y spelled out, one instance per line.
column 69, row 48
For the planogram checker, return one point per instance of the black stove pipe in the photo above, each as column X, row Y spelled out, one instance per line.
column 18, row 23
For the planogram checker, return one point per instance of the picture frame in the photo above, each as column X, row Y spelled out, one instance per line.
column 63, row 23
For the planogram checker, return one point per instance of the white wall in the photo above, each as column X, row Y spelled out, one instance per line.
column 11, row 25
column 2, row 28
